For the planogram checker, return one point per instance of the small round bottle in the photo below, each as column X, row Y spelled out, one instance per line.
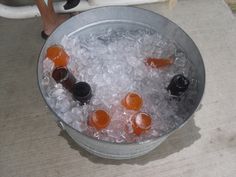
column 132, row 101
column 178, row 85
column 99, row 119
column 58, row 55
column 141, row 122
column 82, row 92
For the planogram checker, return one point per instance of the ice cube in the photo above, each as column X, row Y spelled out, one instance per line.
column 58, row 92
column 133, row 61
column 154, row 133
column 51, row 101
column 45, row 80
column 63, row 104
column 80, row 126
column 48, row 65
column 129, row 127
column 76, row 110
column 68, row 117
column 80, row 114
column 180, row 61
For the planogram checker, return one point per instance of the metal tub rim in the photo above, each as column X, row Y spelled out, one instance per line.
column 166, row 134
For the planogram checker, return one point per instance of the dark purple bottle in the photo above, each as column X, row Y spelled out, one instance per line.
column 63, row 75
column 82, row 92
column 178, row 85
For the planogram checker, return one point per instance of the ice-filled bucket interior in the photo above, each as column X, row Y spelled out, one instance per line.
column 112, row 49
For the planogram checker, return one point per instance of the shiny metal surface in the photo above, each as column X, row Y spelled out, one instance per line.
column 128, row 18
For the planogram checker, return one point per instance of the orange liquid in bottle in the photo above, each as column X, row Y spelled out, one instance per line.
column 99, row 119
column 141, row 122
column 132, row 101
column 57, row 54
column 159, row 62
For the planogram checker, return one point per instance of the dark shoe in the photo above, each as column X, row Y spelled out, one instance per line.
column 44, row 35
column 71, row 4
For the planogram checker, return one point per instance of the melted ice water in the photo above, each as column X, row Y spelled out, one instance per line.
column 112, row 62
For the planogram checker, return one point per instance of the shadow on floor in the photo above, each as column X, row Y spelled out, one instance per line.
column 179, row 140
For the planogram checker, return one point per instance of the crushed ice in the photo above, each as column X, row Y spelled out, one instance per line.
column 112, row 63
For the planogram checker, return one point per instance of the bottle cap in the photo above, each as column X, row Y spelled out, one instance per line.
column 178, row 85
column 82, row 92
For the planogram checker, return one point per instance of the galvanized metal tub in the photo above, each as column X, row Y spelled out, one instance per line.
column 127, row 18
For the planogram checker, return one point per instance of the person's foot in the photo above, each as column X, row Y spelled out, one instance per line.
column 53, row 23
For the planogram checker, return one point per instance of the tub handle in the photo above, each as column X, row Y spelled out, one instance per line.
column 61, row 125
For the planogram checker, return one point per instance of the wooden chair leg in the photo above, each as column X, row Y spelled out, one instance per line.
column 172, row 4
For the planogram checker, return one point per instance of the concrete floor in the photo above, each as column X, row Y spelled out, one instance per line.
column 31, row 145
